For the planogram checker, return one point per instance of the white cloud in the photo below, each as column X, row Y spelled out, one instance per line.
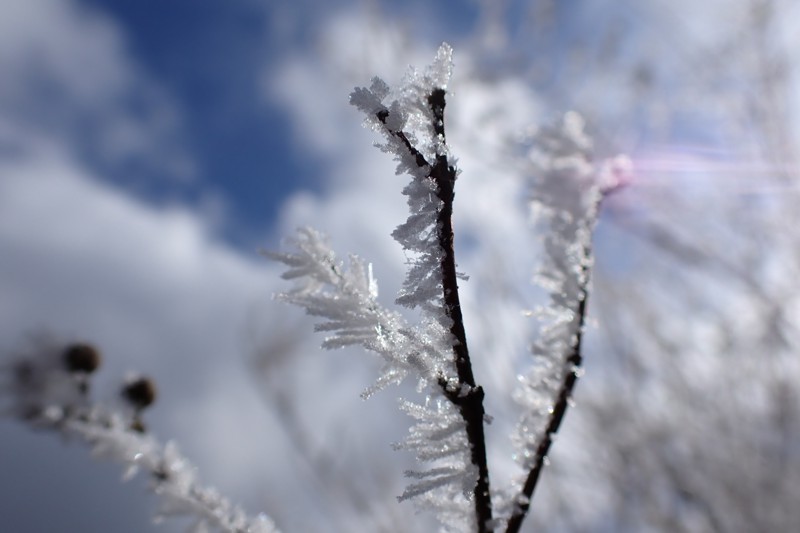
column 161, row 295
column 67, row 71
column 81, row 48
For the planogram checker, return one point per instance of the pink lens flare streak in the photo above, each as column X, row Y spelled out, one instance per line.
column 710, row 170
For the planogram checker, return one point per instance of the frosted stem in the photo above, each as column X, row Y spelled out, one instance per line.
column 470, row 404
column 573, row 361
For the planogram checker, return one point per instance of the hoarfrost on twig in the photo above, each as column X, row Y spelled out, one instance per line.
column 567, row 190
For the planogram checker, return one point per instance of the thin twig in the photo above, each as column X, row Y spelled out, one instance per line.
column 469, row 400
column 574, row 360
column 573, row 363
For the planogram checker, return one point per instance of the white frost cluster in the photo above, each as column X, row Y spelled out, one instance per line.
column 407, row 122
column 347, row 299
column 439, row 435
column 405, row 109
column 568, row 190
column 41, row 391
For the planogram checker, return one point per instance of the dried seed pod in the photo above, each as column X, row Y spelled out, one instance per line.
column 140, row 392
column 137, row 425
column 82, row 357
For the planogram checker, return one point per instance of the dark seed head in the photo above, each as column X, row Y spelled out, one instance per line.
column 82, row 358
column 140, row 392
column 161, row 473
column 137, row 425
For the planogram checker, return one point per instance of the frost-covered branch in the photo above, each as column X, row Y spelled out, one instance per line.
column 432, row 280
column 567, row 194
column 411, row 118
column 48, row 389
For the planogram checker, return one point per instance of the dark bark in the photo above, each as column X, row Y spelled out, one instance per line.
column 572, row 364
column 470, row 403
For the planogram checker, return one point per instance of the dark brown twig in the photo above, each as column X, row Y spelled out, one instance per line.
column 470, row 404
column 573, row 363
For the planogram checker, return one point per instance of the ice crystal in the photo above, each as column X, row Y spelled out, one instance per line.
column 439, row 437
column 346, row 298
column 406, row 110
column 413, row 129
column 568, row 188
column 567, row 198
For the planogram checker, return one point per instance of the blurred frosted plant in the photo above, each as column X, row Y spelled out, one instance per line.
column 48, row 387
column 449, row 428
column 566, row 193
column 49, row 375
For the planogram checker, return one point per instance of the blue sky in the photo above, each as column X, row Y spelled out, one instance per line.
column 211, row 57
